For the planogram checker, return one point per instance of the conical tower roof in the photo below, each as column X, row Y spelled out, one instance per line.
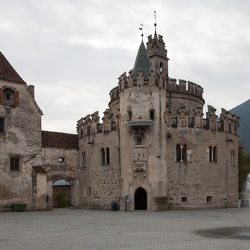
column 7, row 72
column 142, row 61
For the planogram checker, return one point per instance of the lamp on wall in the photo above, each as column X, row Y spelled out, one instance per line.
column 169, row 135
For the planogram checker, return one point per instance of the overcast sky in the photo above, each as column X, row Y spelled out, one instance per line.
column 73, row 51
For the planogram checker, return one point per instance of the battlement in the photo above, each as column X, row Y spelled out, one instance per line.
column 131, row 80
column 160, row 80
column 114, row 93
column 90, row 124
column 186, row 87
column 227, row 121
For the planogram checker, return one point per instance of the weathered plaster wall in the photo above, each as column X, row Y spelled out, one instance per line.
column 22, row 138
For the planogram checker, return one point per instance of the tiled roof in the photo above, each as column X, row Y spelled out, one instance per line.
column 59, row 140
column 7, row 72
column 142, row 61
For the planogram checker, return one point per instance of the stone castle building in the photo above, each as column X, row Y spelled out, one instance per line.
column 153, row 149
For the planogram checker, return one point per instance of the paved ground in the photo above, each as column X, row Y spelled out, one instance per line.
column 88, row 229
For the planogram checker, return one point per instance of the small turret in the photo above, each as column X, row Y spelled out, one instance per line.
column 157, row 53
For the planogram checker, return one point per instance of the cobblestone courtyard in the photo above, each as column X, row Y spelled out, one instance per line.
column 88, row 229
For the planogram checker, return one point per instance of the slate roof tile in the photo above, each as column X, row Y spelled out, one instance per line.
column 59, row 140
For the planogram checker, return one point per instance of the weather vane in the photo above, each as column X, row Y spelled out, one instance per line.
column 141, row 28
column 155, row 17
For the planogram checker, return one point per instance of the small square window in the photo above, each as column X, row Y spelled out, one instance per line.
column 61, row 159
column 183, row 199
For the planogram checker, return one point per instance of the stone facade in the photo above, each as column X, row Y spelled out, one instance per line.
column 20, row 138
column 163, row 154
column 153, row 149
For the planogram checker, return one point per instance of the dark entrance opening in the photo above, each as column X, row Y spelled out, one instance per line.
column 140, row 199
column 61, row 194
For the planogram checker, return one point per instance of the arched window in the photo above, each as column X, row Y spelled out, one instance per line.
column 105, row 155
column 181, row 152
column 233, row 157
column 138, row 135
column 215, row 154
column 81, row 133
column 178, row 152
column 88, row 130
column 8, row 97
column 83, row 160
column 161, row 66
column 212, row 154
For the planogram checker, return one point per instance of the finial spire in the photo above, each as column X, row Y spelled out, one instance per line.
column 141, row 28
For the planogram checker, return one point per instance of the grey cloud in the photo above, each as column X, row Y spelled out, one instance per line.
column 74, row 51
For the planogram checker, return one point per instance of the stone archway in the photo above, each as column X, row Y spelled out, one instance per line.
column 140, row 199
column 61, row 194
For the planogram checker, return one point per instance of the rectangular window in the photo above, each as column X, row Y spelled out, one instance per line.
column 152, row 114
column 14, row 163
column 129, row 115
column 209, row 199
column 1, row 124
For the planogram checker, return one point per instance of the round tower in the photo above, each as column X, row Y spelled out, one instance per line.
column 142, row 131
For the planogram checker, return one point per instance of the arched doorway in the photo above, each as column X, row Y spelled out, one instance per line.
column 61, row 194
column 140, row 199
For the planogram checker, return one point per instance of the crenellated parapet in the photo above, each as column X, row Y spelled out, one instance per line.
column 90, row 124
column 131, row 80
column 185, row 87
column 229, row 121
column 185, row 118
column 114, row 93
